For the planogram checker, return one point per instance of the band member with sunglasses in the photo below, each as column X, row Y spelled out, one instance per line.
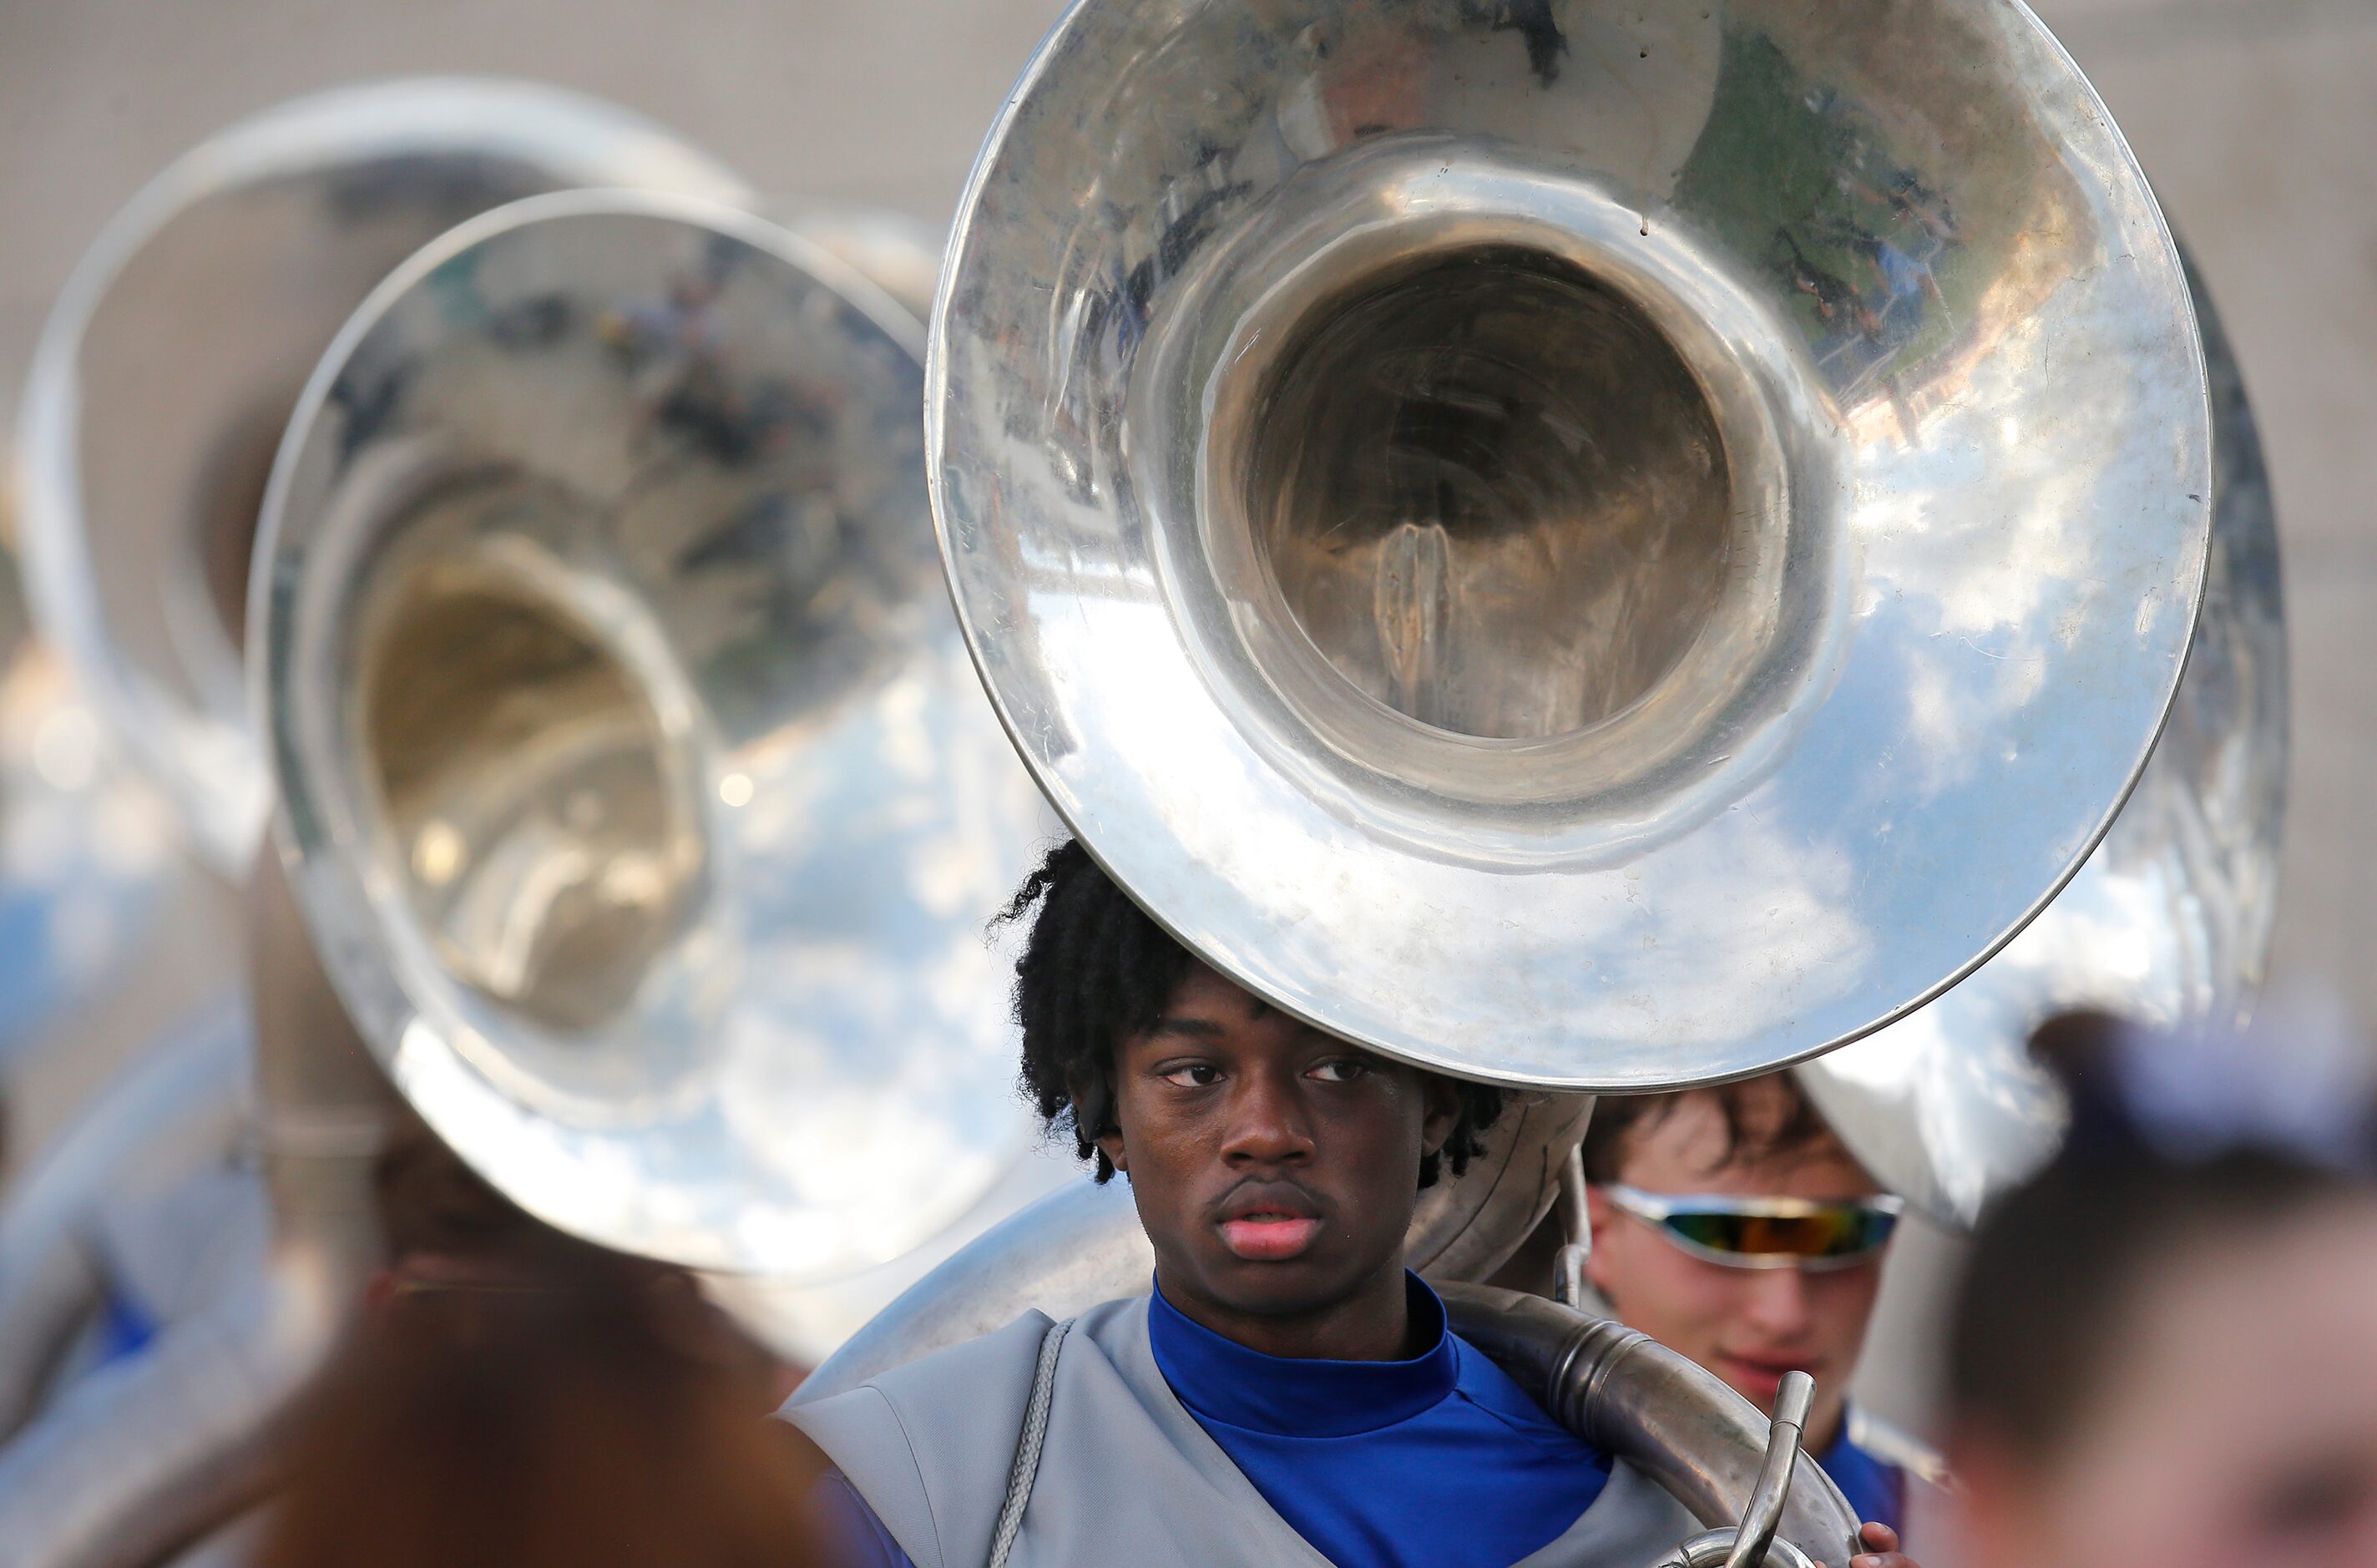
column 1290, row 1392
column 1733, row 1225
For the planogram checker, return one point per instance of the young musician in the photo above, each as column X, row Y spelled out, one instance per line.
column 1290, row 1393
column 1732, row 1225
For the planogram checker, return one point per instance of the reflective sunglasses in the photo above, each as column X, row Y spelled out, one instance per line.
column 1765, row 1233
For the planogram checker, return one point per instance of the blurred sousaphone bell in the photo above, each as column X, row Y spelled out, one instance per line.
column 162, row 389
column 159, row 391
column 1590, row 547
column 634, row 784
column 167, row 368
column 637, row 795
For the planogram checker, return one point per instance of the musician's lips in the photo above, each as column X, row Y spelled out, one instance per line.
column 1269, row 1225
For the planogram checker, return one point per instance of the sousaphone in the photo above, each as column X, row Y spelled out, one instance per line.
column 635, row 783
column 637, row 810
column 167, row 368
column 2168, row 922
column 1594, row 548
column 133, row 774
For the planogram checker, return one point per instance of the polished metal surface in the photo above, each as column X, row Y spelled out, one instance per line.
column 1674, row 1420
column 894, row 252
column 1763, row 1515
column 805, row 1322
column 1077, row 1246
column 167, row 367
column 637, row 789
column 1571, row 1283
column 2169, row 920
column 103, row 923
column 1467, row 1226
column 1713, row 1549
column 1082, row 1245
column 1593, row 545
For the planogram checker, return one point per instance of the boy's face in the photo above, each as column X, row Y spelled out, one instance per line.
column 2233, row 1418
column 1275, row 1167
column 1748, row 1326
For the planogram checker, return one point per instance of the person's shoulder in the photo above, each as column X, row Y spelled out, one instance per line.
column 964, row 1362
column 859, row 1537
column 928, row 1444
column 1114, row 1325
column 918, row 1443
column 995, row 1357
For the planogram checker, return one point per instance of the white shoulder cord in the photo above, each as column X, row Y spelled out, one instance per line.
column 1027, row 1446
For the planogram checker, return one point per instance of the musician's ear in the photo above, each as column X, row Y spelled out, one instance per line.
column 1111, row 1145
column 1443, row 1112
column 1602, row 1217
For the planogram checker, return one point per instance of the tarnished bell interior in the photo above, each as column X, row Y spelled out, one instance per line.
column 1488, row 497
column 552, row 849
column 1491, row 493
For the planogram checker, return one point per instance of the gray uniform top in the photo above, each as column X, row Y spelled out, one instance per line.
column 1125, row 1473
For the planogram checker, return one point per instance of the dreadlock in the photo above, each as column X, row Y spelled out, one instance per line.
column 1096, row 971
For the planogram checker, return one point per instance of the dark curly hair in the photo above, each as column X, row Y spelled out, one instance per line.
column 1096, row 969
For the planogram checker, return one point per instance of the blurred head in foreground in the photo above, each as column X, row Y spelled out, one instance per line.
column 514, row 1397
column 2165, row 1348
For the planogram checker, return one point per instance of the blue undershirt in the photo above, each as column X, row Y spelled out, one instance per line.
column 1438, row 1460
column 1877, row 1492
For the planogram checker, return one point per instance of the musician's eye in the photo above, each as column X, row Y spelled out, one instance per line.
column 1343, row 1070
column 1191, row 1074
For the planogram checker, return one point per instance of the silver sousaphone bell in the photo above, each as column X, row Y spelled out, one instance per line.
column 2169, row 920
column 158, row 394
column 167, row 368
column 636, row 798
column 1590, row 547
column 635, row 786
